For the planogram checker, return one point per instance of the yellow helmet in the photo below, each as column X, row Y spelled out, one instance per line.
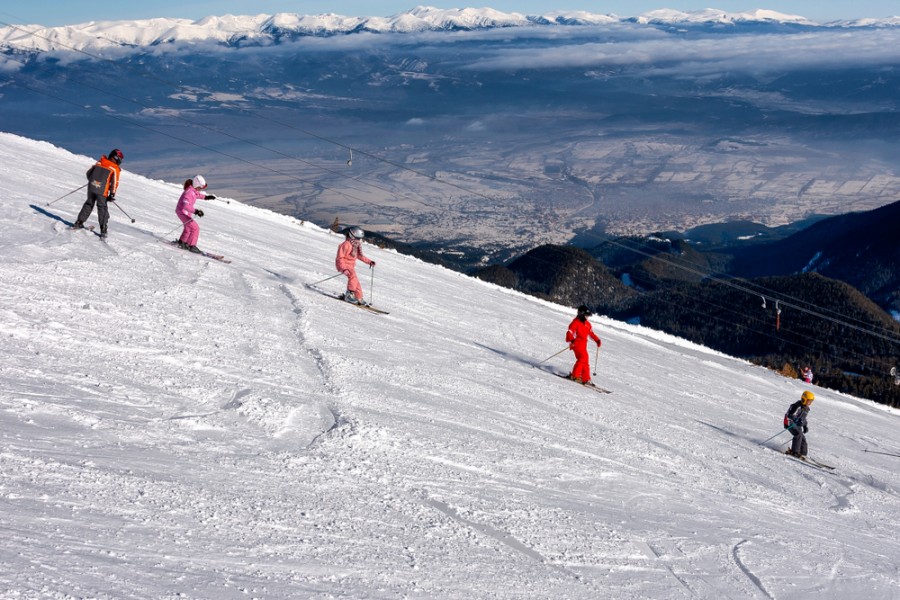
column 807, row 397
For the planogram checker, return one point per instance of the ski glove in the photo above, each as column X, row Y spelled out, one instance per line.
column 209, row 197
column 372, row 264
column 198, row 212
column 805, row 429
column 111, row 198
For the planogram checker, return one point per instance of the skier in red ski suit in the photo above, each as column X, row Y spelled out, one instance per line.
column 577, row 337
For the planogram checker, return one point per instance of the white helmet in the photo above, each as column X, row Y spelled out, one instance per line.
column 199, row 182
column 355, row 232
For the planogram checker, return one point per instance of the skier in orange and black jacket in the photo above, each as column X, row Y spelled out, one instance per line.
column 103, row 181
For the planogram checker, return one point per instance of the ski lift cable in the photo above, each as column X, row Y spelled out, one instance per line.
column 763, row 328
column 755, row 324
column 281, row 123
column 188, row 141
column 747, row 286
column 743, row 286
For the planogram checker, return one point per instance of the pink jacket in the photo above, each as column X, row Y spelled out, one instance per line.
column 347, row 253
column 186, row 203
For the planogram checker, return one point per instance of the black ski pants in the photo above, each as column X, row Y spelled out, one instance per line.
column 798, row 446
column 102, row 209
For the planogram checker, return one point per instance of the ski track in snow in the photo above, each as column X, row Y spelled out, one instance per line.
column 171, row 426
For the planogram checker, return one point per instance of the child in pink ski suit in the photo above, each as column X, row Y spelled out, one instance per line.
column 345, row 262
column 185, row 211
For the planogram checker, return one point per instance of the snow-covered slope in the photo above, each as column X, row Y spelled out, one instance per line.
column 263, row 29
column 171, row 426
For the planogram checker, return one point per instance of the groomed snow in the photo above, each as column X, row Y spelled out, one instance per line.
column 174, row 427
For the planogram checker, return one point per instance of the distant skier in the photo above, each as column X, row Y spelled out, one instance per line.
column 577, row 337
column 186, row 211
column 806, row 374
column 348, row 252
column 795, row 422
column 103, row 181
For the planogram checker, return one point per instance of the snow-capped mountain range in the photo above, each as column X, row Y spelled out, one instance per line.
column 264, row 29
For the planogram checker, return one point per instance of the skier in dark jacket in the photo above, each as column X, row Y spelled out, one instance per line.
column 795, row 422
column 103, row 181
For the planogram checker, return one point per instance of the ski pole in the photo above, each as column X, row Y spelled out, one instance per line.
column 372, row 285
column 596, row 358
column 323, row 281
column 885, row 453
column 549, row 357
column 123, row 210
column 67, row 194
column 171, row 231
column 773, row 437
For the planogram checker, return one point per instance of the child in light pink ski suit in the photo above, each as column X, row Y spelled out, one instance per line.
column 185, row 211
column 345, row 262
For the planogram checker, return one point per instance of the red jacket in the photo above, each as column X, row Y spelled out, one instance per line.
column 579, row 332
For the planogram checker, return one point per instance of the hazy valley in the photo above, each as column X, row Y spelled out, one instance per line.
column 494, row 140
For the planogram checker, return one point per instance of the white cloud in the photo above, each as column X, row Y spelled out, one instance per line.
column 673, row 55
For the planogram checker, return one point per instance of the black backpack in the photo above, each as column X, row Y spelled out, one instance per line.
column 100, row 180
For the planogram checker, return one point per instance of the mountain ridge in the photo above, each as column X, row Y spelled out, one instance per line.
column 264, row 28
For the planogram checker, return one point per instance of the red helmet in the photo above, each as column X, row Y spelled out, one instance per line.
column 116, row 156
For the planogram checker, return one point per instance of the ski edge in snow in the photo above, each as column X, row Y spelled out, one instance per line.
column 218, row 257
column 87, row 229
column 809, row 462
column 340, row 297
column 590, row 386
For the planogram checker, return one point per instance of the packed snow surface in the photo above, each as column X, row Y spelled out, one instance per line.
column 172, row 426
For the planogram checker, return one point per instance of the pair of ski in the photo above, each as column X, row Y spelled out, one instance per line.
column 809, row 461
column 218, row 257
column 87, row 229
column 587, row 386
column 340, row 297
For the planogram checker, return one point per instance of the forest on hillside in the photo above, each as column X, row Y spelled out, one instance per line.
column 848, row 341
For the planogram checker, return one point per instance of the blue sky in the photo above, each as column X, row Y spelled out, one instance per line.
column 62, row 12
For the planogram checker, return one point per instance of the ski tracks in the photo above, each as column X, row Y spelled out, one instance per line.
column 700, row 573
